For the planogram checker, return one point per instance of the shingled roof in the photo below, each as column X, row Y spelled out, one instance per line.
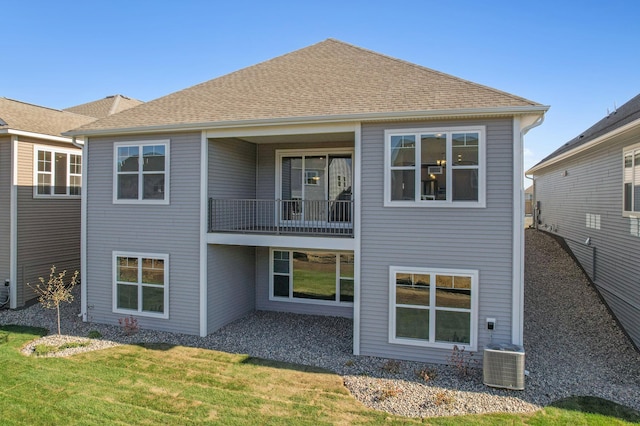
column 105, row 107
column 16, row 115
column 625, row 114
column 327, row 79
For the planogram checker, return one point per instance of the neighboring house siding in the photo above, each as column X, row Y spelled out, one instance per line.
column 172, row 229
column 231, row 269
column 231, row 284
column 460, row 238
column 5, row 213
column 264, row 304
column 48, row 228
column 593, row 185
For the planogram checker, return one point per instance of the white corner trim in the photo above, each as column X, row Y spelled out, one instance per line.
column 357, row 224
column 13, row 237
column 521, row 125
column 204, row 205
column 83, row 233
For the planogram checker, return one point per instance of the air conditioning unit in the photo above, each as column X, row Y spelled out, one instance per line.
column 503, row 366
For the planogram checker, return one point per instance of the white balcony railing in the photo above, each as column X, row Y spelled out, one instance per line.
column 289, row 217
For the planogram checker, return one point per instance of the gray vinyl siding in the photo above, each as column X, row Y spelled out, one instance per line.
column 230, row 285
column 593, row 184
column 48, row 229
column 5, row 214
column 232, row 169
column 473, row 238
column 172, row 229
column 264, row 304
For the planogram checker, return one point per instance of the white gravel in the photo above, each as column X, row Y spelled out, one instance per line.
column 573, row 347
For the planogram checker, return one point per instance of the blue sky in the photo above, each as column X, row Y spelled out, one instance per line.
column 581, row 58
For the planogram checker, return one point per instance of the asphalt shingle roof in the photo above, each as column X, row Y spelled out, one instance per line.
column 330, row 78
column 26, row 117
column 105, row 107
column 625, row 114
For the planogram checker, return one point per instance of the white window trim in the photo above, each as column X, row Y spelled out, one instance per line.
column 629, row 150
column 167, row 180
column 53, row 150
column 473, row 341
column 482, row 167
column 139, row 312
column 292, row 299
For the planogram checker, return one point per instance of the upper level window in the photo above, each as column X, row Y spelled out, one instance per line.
column 58, row 172
column 435, row 167
column 141, row 172
column 631, row 181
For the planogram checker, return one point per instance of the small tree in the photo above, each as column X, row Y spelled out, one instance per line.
column 55, row 291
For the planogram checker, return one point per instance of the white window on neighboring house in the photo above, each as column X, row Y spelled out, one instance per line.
column 312, row 276
column 433, row 307
column 141, row 172
column 437, row 167
column 141, row 284
column 58, row 172
column 634, row 226
column 593, row 221
column 631, row 180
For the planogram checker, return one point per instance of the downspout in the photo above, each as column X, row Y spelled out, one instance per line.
column 83, row 228
column 521, row 125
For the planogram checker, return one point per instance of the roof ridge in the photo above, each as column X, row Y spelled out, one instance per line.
column 33, row 105
column 423, row 68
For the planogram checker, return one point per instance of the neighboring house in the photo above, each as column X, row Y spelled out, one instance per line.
column 40, row 191
column 105, row 107
column 588, row 192
column 528, row 201
column 331, row 181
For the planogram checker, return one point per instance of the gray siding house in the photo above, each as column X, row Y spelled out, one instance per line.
column 588, row 192
column 330, row 181
column 40, row 191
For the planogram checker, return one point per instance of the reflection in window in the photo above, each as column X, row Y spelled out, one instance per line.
column 141, row 172
column 58, row 173
column 141, row 284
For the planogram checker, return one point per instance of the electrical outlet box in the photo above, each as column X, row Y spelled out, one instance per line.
column 491, row 324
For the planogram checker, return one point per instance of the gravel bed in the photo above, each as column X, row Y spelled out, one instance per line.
column 573, row 347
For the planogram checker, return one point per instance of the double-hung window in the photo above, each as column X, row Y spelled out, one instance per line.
column 141, row 285
column 433, row 307
column 435, row 167
column 312, row 276
column 58, row 172
column 141, row 172
column 631, row 181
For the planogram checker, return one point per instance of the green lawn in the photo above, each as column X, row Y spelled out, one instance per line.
column 174, row 385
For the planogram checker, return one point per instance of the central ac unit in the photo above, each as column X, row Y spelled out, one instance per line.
column 503, row 366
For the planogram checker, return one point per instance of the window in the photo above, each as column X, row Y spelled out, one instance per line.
column 58, row 172
column 631, row 181
column 312, row 276
column 141, row 284
column 433, row 307
column 435, row 167
column 593, row 221
column 141, row 172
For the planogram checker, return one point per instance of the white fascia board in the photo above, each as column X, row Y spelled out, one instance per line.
column 36, row 135
column 319, row 243
column 378, row 116
column 597, row 141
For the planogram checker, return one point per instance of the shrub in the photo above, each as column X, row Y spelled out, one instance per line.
column 42, row 349
column 388, row 392
column 444, row 398
column 427, row 374
column 55, row 291
column 129, row 325
column 72, row 345
column 94, row 334
column 462, row 361
column 391, row 366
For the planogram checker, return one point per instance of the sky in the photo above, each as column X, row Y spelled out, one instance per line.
column 580, row 58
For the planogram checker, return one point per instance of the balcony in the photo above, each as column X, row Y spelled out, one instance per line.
column 320, row 218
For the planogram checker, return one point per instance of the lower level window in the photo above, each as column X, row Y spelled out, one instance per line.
column 141, row 284
column 312, row 276
column 431, row 307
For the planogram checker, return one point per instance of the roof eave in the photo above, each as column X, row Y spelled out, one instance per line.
column 381, row 116
column 35, row 135
column 588, row 145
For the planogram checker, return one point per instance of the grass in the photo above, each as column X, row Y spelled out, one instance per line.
column 174, row 385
